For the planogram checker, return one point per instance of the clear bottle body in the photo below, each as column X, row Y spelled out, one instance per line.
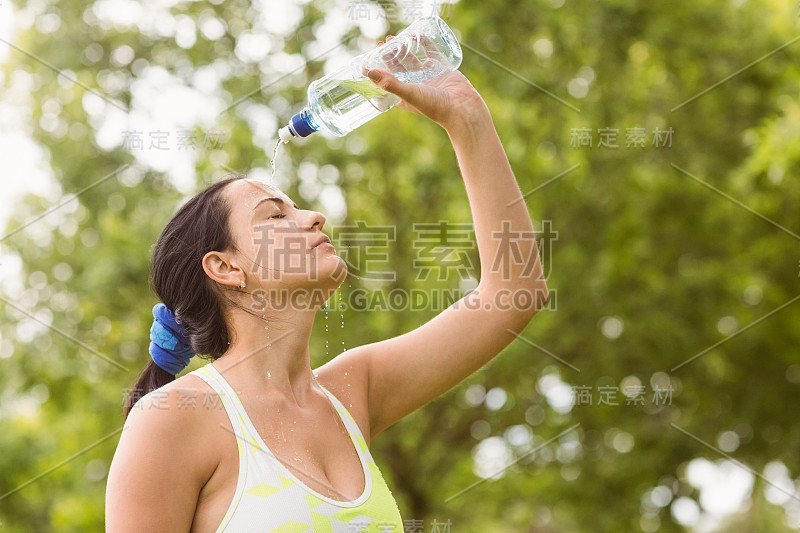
column 344, row 100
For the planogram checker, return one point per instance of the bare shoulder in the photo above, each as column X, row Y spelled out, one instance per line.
column 186, row 397
column 347, row 377
column 162, row 461
column 176, row 417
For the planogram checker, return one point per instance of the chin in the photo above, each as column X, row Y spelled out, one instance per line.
column 331, row 273
column 327, row 276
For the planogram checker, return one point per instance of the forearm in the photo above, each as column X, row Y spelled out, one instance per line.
column 507, row 247
column 509, row 256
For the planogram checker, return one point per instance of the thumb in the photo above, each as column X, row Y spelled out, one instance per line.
column 384, row 79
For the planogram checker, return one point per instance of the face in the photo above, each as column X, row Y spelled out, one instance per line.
column 281, row 247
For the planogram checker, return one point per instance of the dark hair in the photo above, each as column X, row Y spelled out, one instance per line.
column 178, row 279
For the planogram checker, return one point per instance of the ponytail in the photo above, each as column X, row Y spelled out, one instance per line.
column 151, row 378
column 178, row 279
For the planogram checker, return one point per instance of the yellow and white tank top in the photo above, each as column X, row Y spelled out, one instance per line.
column 269, row 498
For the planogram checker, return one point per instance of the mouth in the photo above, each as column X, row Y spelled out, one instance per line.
column 323, row 241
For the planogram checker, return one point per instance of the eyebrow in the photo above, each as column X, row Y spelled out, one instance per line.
column 275, row 199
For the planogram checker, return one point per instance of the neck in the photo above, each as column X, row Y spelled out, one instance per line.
column 269, row 354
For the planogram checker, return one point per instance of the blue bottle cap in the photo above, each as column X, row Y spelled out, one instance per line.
column 301, row 125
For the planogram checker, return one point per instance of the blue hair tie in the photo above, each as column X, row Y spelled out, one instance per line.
column 169, row 343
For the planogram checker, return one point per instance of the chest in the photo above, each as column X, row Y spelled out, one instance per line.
column 314, row 446
column 317, row 449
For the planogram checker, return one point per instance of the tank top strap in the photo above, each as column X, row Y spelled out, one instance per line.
column 352, row 427
column 235, row 411
column 246, row 432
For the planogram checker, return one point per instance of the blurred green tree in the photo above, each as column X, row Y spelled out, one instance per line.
column 672, row 247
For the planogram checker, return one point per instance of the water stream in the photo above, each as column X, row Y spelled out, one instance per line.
column 275, row 156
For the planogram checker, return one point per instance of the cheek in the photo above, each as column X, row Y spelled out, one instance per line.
column 270, row 244
column 261, row 242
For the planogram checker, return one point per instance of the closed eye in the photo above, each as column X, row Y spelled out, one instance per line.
column 279, row 216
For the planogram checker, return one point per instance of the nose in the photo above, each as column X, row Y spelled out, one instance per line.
column 317, row 220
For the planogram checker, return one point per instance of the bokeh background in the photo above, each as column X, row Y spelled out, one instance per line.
column 656, row 144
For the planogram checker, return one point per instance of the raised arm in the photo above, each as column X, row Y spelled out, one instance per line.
column 408, row 371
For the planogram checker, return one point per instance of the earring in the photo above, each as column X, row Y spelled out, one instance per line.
column 242, row 284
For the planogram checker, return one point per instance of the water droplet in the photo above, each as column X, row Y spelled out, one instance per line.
column 341, row 317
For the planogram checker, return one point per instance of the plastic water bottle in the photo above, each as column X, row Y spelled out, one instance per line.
column 346, row 99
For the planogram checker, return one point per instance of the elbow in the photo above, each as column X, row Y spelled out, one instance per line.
column 529, row 300
column 520, row 300
column 542, row 295
column 539, row 297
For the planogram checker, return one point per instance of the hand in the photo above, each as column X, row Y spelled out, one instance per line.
column 450, row 100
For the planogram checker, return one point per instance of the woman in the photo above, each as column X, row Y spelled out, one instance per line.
column 244, row 270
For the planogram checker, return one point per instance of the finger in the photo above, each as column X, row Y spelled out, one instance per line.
column 398, row 58
column 431, row 50
column 411, row 57
column 384, row 79
column 390, row 56
column 406, row 57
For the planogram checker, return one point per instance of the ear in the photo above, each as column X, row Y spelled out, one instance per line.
column 221, row 267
